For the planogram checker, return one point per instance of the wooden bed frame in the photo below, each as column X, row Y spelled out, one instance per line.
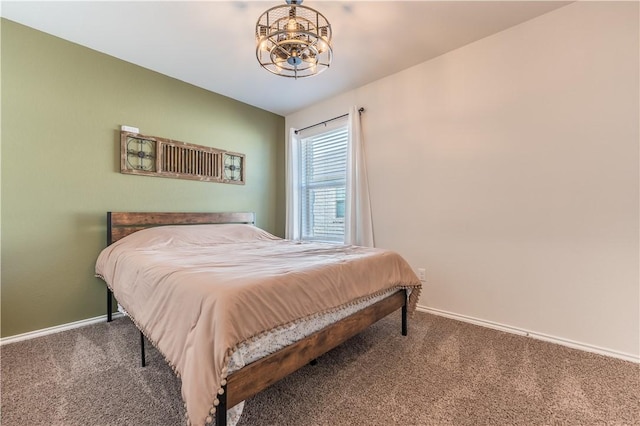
column 264, row 372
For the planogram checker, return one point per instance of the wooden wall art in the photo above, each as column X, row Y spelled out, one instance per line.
column 154, row 156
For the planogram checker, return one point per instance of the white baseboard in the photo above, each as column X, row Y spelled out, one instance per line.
column 484, row 323
column 540, row 336
column 55, row 329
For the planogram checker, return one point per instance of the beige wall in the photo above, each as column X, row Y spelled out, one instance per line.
column 509, row 170
column 62, row 106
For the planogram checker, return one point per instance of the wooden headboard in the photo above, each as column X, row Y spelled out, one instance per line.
column 121, row 224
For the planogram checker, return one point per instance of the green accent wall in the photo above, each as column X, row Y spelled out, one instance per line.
column 62, row 107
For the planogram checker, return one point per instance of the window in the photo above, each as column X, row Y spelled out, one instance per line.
column 323, row 161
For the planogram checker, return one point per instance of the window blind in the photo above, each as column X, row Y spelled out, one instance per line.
column 323, row 180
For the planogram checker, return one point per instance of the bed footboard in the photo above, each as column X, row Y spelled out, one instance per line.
column 261, row 374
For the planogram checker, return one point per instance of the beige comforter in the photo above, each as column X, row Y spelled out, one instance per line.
column 197, row 291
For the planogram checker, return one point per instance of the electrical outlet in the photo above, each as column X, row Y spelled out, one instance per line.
column 422, row 274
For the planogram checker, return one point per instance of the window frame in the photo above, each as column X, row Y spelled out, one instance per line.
column 305, row 188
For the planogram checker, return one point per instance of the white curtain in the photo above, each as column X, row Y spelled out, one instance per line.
column 358, row 222
column 292, row 160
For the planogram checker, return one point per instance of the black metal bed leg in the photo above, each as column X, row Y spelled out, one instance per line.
column 404, row 313
column 221, row 409
column 143, row 360
column 109, row 305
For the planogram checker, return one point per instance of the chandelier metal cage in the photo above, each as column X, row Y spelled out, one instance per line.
column 293, row 40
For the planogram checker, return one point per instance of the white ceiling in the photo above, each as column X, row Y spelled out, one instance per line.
column 211, row 44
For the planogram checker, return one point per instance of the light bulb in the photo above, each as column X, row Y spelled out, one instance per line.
column 322, row 46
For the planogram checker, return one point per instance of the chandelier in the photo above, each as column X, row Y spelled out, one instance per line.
column 293, row 40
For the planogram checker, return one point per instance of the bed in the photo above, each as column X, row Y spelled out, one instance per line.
column 161, row 271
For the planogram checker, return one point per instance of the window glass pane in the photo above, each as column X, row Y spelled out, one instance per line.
column 324, row 162
column 340, row 208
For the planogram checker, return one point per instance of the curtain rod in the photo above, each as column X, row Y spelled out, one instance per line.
column 360, row 110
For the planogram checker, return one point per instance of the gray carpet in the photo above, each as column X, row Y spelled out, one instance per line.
column 444, row 373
